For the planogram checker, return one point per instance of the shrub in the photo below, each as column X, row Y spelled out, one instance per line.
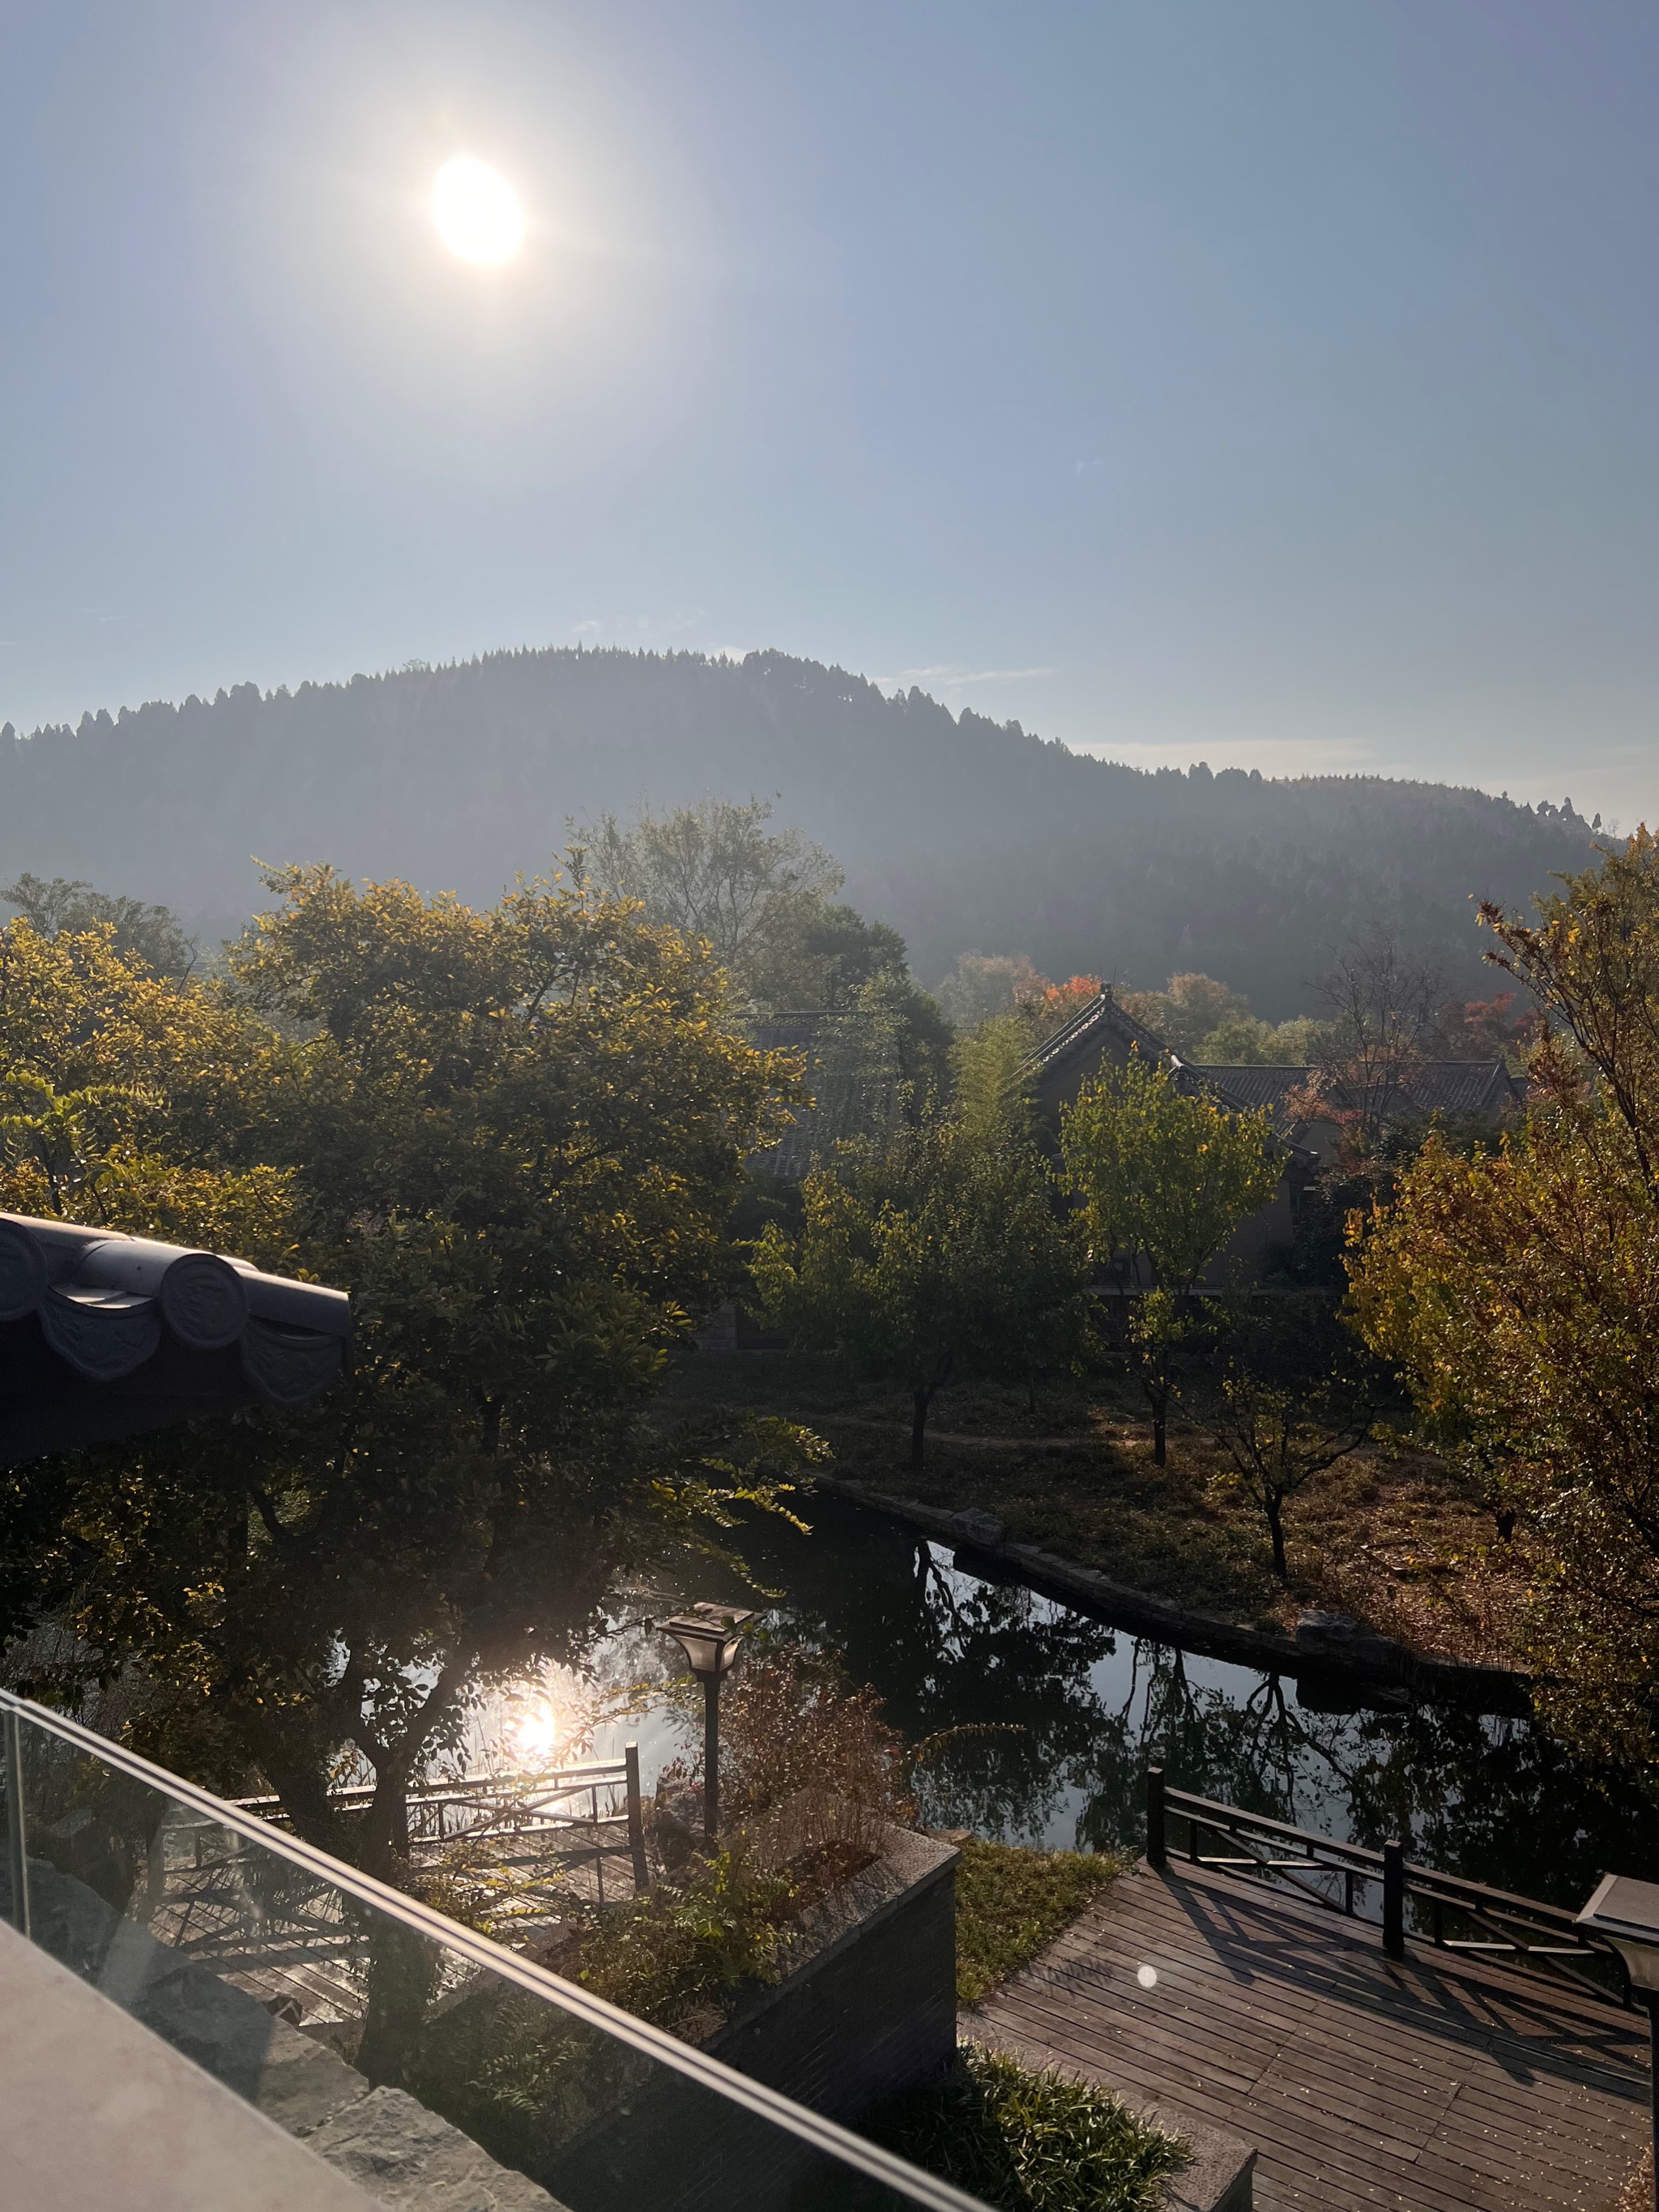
column 666, row 1955
column 810, row 1772
column 1010, row 1903
column 1032, row 2140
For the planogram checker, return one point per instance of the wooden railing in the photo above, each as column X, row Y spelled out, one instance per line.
column 1383, row 1886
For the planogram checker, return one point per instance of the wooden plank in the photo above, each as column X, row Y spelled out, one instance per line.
column 1236, row 2020
column 1440, row 2083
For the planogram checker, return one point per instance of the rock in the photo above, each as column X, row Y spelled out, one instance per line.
column 406, row 2156
column 1336, row 1636
column 1334, row 1631
column 979, row 1527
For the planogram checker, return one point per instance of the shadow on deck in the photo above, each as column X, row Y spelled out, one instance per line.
column 1430, row 2085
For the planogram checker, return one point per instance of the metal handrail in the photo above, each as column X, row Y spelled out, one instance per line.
column 722, row 2081
column 1292, row 1855
column 525, row 1799
column 564, row 1781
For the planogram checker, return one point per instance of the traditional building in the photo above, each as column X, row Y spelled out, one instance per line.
column 1307, row 1116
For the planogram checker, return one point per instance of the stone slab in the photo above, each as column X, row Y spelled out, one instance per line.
column 1221, row 2176
column 412, row 2159
column 100, row 2112
column 414, row 2162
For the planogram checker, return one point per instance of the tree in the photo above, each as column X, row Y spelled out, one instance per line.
column 1518, row 1289
column 513, row 1136
column 983, row 986
column 1047, row 1011
column 1293, row 1393
column 127, row 1101
column 934, row 1250
column 1384, row 1005
column 1186, row 1010
column 815, row 955
column 1487, row 1029
column 1165, row 1176
column 991, row 1074
column 714, row 871
column 154, row 933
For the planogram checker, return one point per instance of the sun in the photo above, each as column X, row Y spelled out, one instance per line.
column 479, row 215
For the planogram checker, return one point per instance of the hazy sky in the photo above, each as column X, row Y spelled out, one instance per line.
column 1268, row 381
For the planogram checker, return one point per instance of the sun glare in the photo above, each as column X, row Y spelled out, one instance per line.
column 478, row 214
column 535, row 1731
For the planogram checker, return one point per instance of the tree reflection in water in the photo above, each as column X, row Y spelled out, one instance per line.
column 1041, row 1721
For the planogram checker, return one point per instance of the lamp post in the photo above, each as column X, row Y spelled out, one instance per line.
column 1627, row 1913
column 711, row 1636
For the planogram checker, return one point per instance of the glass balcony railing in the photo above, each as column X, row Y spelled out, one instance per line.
column 331, row 2001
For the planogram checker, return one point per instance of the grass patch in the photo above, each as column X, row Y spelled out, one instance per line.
column 1010, row 1903
column 1032, row 2142
column 1396, row 1537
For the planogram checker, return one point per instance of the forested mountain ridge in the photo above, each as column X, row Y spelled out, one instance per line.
column 962, row 832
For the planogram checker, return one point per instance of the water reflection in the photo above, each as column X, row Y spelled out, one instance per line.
column 1045, row 1720
column 1040, row 1721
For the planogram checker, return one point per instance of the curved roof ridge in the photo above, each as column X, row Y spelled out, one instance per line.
column 103, row 1336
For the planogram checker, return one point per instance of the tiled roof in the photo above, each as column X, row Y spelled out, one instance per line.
column 1464, row 1086
column 102, row 1335
column 850, row 1080
column 1104, row 1018
column 1439, row 1086
column 1257, row 1087
column 1101, row 1013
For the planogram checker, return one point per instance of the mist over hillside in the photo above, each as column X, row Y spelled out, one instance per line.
column 964, row 833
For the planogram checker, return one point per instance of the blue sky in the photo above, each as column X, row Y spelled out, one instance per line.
column 1271, row 383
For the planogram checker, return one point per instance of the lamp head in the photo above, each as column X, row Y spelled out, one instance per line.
column 1627, row 1913
column 711, row 1636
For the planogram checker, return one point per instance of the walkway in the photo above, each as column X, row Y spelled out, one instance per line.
column 1430, row 2085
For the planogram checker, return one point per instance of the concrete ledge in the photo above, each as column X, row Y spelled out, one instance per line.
column 1221, row 2176
column 101, row 2112
column 866, row 2004
column 412, row 2160
column 865, row 2007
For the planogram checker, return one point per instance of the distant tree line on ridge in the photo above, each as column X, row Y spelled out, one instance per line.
column 959, row 831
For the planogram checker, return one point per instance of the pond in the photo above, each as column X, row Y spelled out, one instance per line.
column 1039, row 1719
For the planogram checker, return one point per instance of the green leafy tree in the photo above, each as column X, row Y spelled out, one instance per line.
column 1517, row 1287
column 817, row 954
column 1289, row 1392
column 983, row 985
column 63, row 907
column 991, row 1069
column 933, row 1251
column 1188, row 1009
column 513, row 1136
column 1165, row 1176
column 129, row 1102
column 716, row 871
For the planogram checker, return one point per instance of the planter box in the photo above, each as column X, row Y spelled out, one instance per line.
column 868, row 2009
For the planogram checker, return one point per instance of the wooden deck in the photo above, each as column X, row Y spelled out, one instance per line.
column 1434, row 2084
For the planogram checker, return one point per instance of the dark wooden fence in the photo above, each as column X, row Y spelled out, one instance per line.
column 1383, row 1887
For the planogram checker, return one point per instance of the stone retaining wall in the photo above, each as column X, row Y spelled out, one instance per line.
column 1329, row 1648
